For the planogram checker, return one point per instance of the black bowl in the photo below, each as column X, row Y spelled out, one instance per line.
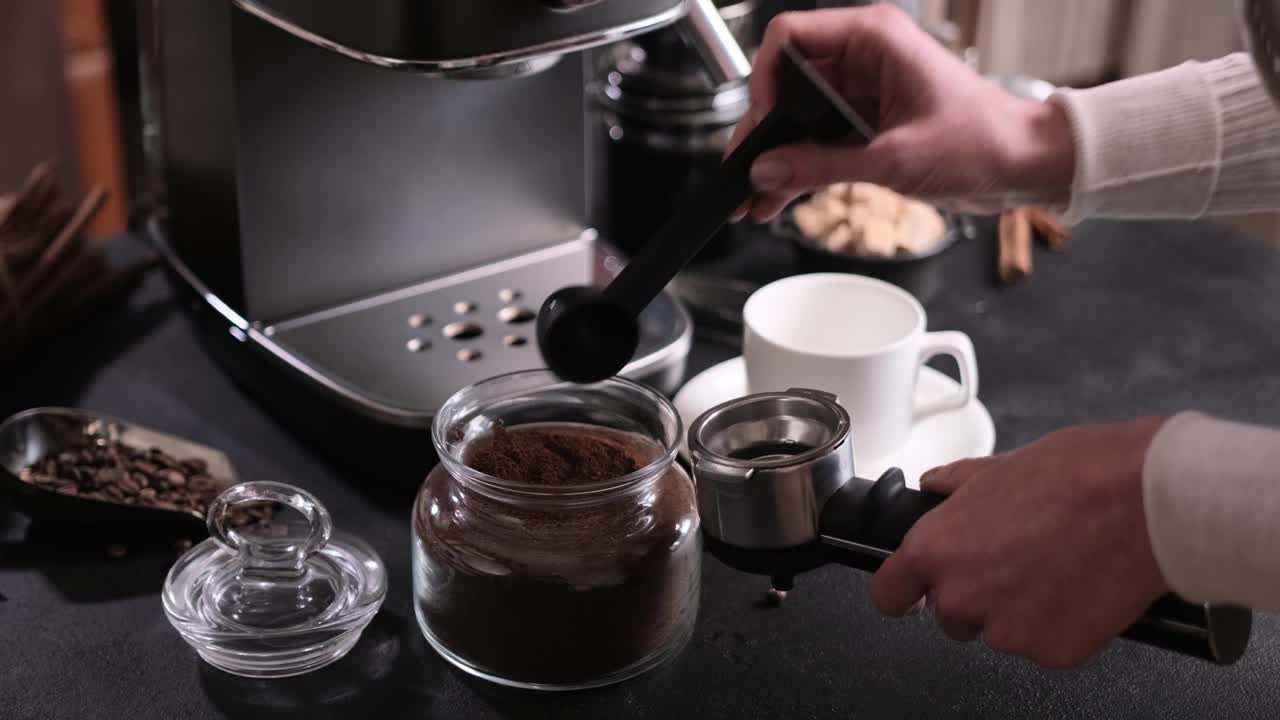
column 921, row 275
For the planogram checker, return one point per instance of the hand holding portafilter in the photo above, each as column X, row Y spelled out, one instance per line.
column 586, row 334
column 778, row 496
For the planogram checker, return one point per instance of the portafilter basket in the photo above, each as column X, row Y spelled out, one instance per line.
column 778, row 496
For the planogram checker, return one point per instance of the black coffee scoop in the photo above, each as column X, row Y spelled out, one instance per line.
column 587, row 334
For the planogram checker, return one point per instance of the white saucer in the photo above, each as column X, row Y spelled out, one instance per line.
column 934, row 441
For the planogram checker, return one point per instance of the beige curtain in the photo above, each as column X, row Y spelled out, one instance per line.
column 1086, row 41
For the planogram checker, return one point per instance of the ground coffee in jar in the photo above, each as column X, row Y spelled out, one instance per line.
column 559, row 553
column 563, row 455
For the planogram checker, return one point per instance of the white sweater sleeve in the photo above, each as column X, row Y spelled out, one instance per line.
column 1196, row 139
column 1211, row 494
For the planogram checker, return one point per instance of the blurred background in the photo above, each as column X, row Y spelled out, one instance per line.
column 68, row 76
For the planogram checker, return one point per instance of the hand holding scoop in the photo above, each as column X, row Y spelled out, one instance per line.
column 587, row 334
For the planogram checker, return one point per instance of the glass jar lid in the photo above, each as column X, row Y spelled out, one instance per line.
column 274, row 591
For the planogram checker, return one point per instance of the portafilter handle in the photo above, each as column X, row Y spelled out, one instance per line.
column 863, row 527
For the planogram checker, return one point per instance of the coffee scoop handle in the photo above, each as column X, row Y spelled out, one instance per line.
column 807, row 109
column 864, row 526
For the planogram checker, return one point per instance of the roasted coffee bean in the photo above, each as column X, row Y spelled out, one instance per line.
column 165, row 460
column 127, row 475
column 84, row 477
column 145, row 467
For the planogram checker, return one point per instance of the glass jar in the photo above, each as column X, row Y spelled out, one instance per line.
column 566, row 584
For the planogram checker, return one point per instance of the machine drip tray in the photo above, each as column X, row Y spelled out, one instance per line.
column 413, row 348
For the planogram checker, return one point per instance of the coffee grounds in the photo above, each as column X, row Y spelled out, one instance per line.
column 554, row 594
column 549, row 457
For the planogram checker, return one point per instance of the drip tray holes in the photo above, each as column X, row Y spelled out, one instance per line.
column 516, row 315
column 462, row 331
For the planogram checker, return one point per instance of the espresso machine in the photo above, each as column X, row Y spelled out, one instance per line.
column 363, row 204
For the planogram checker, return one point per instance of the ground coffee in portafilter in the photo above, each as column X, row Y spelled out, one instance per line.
column 556, row 594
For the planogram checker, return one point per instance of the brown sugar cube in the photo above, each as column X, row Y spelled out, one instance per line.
column 813, row 221
column 882, row 202
column 832, row 205
column 879, row 238
column 921, row 228
column 841, row 239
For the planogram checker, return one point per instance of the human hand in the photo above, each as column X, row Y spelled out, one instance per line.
column 1043, row 551
column 944, row 134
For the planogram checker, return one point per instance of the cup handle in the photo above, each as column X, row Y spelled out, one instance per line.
column 959, row 346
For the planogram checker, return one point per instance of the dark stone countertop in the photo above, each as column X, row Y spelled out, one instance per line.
column 1135, row 319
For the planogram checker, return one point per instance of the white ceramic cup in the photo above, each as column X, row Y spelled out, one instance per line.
column 861, row 339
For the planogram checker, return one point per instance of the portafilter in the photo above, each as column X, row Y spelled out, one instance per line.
column 779, row 495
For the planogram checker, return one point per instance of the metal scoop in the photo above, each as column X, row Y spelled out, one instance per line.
column 30, row 436
column 587, row 334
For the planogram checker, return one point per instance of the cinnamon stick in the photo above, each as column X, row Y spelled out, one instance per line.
column 10, row 301
column 64, row 281
column 62, row 307
column 1048, row 228
column 1015, row 246
column 37, row 193
column 114, row 282
column 65, row 240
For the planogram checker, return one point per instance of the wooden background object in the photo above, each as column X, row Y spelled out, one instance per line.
column 91, row 86
column 58, row 101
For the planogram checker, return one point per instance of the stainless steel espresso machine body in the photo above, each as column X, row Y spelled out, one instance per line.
column 367, row 201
